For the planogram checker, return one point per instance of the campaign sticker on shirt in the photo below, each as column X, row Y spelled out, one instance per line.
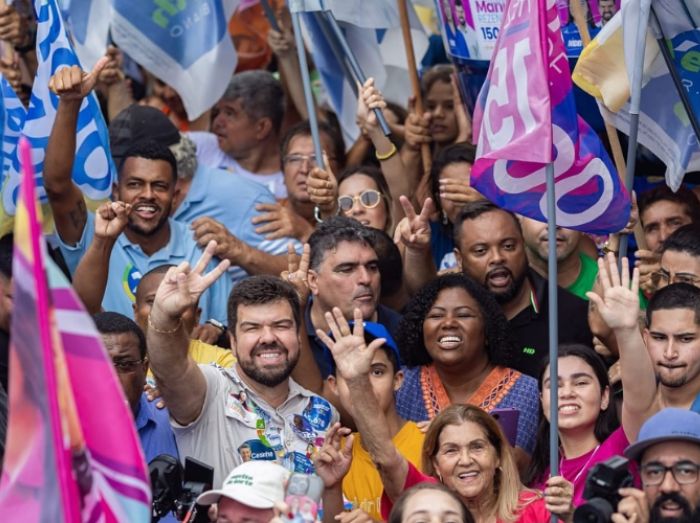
column 238, row 406
column 299, row 463
column 303, row 428
column 254, row 449
column 319, row 413
column 130, row 280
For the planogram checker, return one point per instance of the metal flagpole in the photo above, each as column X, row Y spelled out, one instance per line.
column 636, row 95
column 553, row 319
column 296, row 7
column 354, row 65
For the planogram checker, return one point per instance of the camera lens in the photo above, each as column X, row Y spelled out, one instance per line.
column 596, row 510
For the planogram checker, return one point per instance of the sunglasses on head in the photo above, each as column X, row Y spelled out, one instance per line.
column 368, row 198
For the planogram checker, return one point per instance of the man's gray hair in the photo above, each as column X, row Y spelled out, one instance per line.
column 185, row 152
column 261, row 95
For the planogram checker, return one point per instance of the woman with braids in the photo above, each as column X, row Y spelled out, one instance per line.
column 453, row 341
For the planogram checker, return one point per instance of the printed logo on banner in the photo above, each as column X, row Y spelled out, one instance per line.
column 174, row 23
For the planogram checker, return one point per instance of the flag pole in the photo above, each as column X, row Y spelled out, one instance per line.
column 413, row 74
column 636, row 96
column 553, row 319
column 295, row 7
column 354, row 65
column 610, row 131
column 335, row 49
column 682, row 93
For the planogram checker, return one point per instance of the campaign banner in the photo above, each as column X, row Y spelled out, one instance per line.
column 13, row 115
column 525, row 118
column 470, row 28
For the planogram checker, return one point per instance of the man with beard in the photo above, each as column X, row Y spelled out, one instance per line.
column 668, row 454
column 215, row 411
column 145, row 186
column 490, row 249
column 680, row 258
column 607, row 10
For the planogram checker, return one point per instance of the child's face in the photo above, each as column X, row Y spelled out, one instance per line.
column 383, row 379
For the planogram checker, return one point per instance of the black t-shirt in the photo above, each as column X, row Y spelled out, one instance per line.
column 529, row 328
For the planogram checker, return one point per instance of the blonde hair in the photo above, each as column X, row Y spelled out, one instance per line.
column 507, row 485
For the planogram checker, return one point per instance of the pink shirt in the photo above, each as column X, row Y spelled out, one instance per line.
column 576, row 469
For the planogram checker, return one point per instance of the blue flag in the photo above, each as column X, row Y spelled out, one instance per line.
column 12, row 115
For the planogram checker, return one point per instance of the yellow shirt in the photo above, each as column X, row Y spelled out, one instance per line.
column 204, row 353
column 362, row 485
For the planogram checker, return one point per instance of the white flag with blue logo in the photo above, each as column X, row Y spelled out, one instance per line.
column 93, row 169
column 88, row 24
column 372, row 29
column 184, row 43
column 12, row 115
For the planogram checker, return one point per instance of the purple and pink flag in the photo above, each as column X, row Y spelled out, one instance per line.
column 526, row 117
column 72, row 453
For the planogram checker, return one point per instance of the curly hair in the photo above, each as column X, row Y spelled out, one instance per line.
column 498, row 344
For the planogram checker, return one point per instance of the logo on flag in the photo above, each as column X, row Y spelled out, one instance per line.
column 526, row 117
column 13, row 115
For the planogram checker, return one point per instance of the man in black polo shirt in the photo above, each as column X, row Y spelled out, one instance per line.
column 343, row 273
column 490, row 249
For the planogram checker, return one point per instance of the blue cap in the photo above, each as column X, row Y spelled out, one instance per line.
column 372, row 332
column 669, row 424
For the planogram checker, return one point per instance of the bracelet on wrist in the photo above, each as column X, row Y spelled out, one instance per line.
column 386, row 156
column 164, row 331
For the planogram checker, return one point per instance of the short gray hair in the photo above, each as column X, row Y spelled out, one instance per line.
column 185, row 152
column 261, row 94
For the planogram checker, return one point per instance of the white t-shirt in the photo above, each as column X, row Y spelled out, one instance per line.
column 210, row 154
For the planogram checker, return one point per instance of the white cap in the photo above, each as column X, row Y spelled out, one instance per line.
column 257, row 484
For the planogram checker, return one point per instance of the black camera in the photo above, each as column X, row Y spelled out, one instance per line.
column 600, row 492
column 176, row 489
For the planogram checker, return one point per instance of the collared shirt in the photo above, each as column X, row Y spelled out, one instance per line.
column 237, row 425
column 128, row 263
column 209, row 153
column 155, row 433
column 386, row 316
column 529, row 328
column 230, row 200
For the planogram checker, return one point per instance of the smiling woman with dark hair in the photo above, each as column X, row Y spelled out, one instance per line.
column 453, row 339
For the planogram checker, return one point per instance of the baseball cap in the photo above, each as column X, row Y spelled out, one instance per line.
column 669, row 424
column 257, row 484
column 139, row 123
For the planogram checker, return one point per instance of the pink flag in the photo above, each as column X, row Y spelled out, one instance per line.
column 525, row 118
column 72, row 453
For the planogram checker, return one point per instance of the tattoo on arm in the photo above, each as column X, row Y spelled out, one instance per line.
column 77, row 216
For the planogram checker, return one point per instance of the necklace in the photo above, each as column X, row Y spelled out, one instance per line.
column 585, row 465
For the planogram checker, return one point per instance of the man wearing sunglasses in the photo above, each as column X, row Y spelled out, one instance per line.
column 680, row 258
column 668, row 454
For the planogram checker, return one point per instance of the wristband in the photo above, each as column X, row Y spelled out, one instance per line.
column 386, row 156
column 163, row 331
column 216, row 323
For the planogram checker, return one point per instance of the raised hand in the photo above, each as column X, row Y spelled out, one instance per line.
column 112, row 72
column 352, row 356
column 332, row 461
column 648, row 263
column 14, row 27
column 464, row 124
column 414, row 230
column 619, row 303
column 74, row 84
column 458, row 191
column 298, row 270
column 111, row 219
column 277, row 221
column 207, row 229
column 559, row 496
column 417, row 128
column 369, row 98
column 322, row 187
column 182, row 286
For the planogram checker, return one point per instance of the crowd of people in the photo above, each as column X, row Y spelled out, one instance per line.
column 356, row 318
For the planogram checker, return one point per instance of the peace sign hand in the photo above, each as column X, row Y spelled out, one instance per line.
column 352, row 356
column 182, row 287
column 298, row 271
column 332, row 462
column 414, row 230
column 619, row 303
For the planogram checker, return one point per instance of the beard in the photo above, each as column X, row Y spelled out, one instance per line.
column 269, row 377
column 512, row 290
column 689, row 515
column 149, row 232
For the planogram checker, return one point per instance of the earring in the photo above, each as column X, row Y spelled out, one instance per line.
column 439, row 477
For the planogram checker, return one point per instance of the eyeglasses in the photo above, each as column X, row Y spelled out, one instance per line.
column 125, row 366
column 368, row 198
column 684, row 472
column 663, row 278
column 296, row 160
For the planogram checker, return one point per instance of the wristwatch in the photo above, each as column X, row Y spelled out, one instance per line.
column 217, row 324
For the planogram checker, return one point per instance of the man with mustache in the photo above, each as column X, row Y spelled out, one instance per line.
column 668, row 454
column 215, row 411
column 344, row 273
column 145, row 186
column 490, row 249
